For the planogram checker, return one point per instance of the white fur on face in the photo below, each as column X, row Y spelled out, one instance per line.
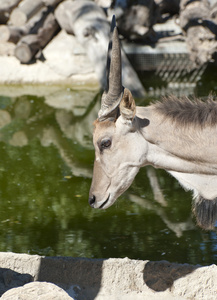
column 121, row 162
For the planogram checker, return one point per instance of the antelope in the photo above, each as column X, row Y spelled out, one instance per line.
column 175, row 134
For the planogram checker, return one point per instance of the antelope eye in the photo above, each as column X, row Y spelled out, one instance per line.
column 106, row 143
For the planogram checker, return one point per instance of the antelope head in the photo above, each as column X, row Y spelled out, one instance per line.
column 119, row 151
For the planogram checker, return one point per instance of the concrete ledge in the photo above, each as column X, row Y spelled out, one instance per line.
column 12, row 72
column 112, row 278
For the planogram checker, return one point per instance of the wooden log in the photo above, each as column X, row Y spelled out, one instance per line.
column 168, row 6
column 10, row 34
column 200, row 28
column 27, row 47
column 30, row 44
column 52, row 3
column 14, row 33
column 202, row 44
column 37, row 21
column 88, row 23
column 193, row 13
column 49, row 29
column 6, row 7
column 25, row 10
column 137, row 20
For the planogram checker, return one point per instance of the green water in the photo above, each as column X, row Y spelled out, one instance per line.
column 46, row 160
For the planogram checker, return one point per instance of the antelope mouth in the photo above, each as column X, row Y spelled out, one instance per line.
column 105, row 202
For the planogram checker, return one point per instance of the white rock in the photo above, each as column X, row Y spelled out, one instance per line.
column 37, row 291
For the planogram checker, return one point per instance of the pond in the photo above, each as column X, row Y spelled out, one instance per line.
column 46, row 157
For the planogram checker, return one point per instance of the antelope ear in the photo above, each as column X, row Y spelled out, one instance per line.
column 127, row 106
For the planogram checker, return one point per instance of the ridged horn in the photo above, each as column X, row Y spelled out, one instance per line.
column 112, row 96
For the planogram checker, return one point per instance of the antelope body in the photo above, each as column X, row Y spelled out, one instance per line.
column 177, row 135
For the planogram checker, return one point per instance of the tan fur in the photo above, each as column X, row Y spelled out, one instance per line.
column 177, row 135
column 103, row 124
column 188, row 112
column 127, row 105
column 180, row 136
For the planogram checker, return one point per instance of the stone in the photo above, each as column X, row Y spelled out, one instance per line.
column 104, row 279
column 37, row 291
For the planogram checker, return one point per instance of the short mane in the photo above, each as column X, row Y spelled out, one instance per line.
column 186, row 111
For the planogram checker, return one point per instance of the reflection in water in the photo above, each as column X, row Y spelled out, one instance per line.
column 45, row 173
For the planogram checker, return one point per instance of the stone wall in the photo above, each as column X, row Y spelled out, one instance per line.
column 33, row 277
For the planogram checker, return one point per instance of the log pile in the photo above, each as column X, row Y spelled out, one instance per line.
column 198, row 19
column 31, row 25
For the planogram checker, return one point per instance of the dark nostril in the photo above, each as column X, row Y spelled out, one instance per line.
column 92, row 200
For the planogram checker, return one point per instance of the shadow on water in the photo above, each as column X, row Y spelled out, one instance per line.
column 45, row 173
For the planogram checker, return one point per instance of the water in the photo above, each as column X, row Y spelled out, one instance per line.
column 46, row 160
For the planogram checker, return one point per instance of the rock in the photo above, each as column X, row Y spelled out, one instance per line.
column 203, row 284
column 74, row 60
column 105, row 279
column 89, row 24
column 104, row 3
column 37, row 291
column 12, row 72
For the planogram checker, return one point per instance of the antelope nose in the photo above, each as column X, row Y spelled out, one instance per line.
column 92, row 200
